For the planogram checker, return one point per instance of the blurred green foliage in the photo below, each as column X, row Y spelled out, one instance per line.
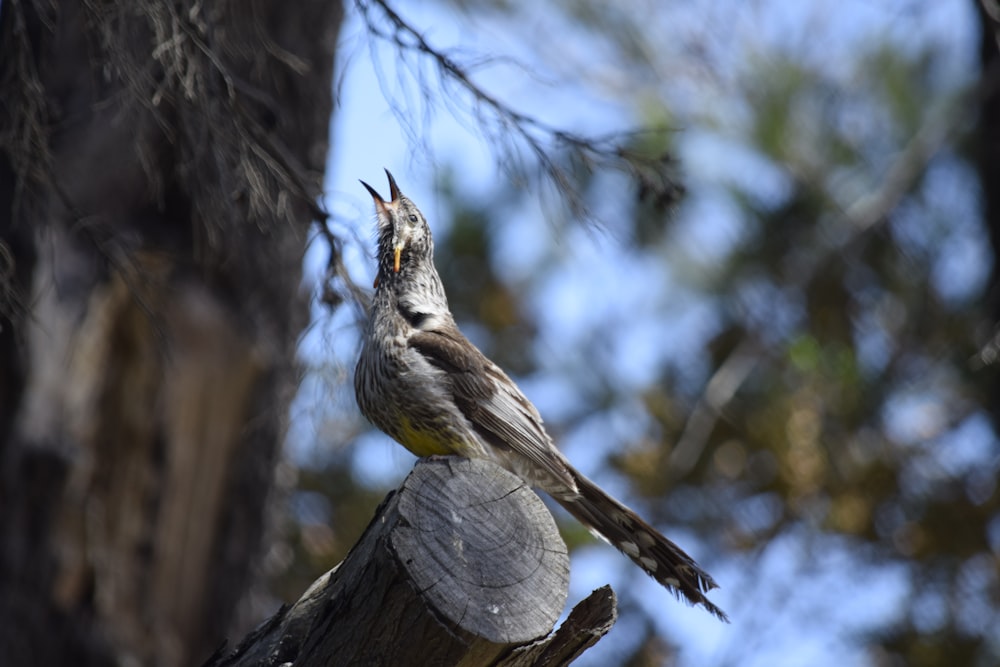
column 836, row 394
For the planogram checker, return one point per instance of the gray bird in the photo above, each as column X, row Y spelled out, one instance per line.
column 423, row 383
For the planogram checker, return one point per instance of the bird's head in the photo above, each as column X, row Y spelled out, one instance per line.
column 403, row 233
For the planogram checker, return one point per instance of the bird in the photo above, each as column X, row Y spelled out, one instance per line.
column 423, row 383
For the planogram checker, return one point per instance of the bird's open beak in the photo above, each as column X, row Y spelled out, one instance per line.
column 382, row 208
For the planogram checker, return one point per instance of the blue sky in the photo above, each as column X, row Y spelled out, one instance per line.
column 813, row 589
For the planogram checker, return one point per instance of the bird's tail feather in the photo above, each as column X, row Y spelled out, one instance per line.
column 626, row 531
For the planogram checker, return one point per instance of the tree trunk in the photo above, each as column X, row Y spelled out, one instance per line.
column 158, row 168
column 463, row 565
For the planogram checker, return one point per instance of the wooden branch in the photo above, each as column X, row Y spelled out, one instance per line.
column 462, row 565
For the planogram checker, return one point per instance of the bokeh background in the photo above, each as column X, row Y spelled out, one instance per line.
column 787, row 367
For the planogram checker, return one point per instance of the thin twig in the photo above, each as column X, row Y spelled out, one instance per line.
column 543, row 140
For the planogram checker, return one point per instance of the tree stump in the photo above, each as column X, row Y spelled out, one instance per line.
column 462, row 565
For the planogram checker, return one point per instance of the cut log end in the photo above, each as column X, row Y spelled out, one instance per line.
column 463, row 565
column 482, row 549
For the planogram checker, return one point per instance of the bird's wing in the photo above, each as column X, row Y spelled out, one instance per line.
column 490, row 400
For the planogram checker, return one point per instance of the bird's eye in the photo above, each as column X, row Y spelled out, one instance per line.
column 413, row 217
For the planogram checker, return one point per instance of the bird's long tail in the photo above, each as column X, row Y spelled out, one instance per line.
column 626, row 531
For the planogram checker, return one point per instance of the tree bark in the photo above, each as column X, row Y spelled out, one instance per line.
column 463, row 565
column 159, row 164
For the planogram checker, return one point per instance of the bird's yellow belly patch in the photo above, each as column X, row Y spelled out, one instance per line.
column 422, row 442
